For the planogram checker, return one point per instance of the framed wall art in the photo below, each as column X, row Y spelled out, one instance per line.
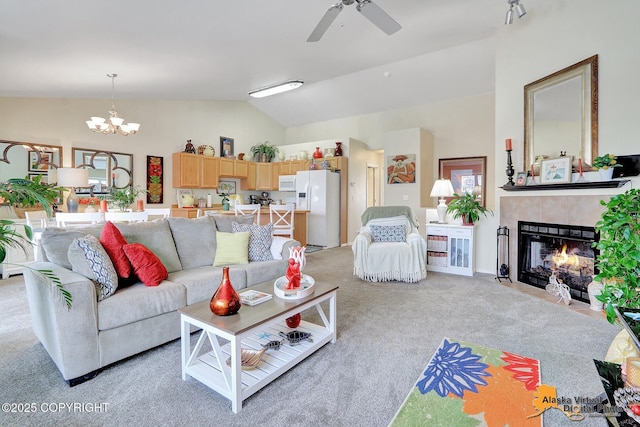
column 227, row 187
column 556, row 171
column 155, row 172
column 226, row 147
column 467, row 175
column 401, row 169
column 521, row 178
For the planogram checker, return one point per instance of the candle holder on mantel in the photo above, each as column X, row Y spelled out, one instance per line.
column 510, row 170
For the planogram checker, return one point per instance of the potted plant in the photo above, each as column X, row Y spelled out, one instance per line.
column 263, row 152
column 123, row 198
column 619, row 245
column 468, row 207
column 30, row 194
column 605, row 165
column 24, row 191
column 225, row 201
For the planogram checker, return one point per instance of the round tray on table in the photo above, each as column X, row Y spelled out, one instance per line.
column 306, row 288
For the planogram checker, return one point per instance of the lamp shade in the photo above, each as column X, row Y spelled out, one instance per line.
column 72, row 177
column 442, row 188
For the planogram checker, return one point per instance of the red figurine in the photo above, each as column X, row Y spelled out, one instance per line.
column 293, row 274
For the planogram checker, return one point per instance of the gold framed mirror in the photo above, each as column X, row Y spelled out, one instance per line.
column 561, row 114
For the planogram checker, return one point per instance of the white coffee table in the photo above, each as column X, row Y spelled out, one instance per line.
column 249, row 329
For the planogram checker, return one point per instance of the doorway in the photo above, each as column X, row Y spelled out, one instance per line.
column 373, row 185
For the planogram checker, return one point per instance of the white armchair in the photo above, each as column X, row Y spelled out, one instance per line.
column 389, row 246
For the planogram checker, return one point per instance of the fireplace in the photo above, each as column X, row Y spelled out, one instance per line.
column 560, row 250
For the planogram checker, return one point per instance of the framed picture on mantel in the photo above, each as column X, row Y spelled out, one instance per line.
column 556, row 171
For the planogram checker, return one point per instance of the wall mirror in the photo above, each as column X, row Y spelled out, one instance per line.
column 106, row 169
column 28, row 159
column 561, row 114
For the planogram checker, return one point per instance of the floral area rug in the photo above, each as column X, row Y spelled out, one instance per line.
column 467, row 385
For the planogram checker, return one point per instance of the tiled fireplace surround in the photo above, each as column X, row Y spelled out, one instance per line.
column 573, row 209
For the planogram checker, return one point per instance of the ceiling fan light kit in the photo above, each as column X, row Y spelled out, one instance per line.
column 275, row 89
column 370, row 10
column 115, row 124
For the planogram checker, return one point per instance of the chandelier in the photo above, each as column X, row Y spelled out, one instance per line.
column 115, row 124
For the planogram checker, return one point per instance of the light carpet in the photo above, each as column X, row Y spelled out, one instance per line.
column 387, row 332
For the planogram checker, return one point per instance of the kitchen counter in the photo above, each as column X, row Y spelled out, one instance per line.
column 299, row 218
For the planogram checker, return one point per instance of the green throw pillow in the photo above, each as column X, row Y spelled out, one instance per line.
column 233, row 248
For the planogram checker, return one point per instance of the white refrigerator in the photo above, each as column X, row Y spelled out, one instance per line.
column 318, row 191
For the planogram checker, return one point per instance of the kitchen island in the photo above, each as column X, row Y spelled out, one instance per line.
column 299, row 220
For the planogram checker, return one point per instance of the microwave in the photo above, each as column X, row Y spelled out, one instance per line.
column 287, row 183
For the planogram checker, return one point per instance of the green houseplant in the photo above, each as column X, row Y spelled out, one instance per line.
column 619, row 245
column 28, row 193
column 263, row 152
column 605, row 162
column 468, row 207
column 123, row 198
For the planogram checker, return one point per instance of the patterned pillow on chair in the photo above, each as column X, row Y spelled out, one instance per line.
column 388, row 233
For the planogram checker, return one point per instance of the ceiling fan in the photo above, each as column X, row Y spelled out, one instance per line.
column 370, row 10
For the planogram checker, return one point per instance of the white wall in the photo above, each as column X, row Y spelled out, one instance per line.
column 165, row 128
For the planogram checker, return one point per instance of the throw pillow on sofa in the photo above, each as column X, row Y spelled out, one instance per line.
column 113, row 241
column 195, row 240
column 259, row 240
column 88, row 258
column 146, row 265
column 233, row 248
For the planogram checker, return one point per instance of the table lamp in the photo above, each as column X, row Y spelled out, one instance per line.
column 71, row 178
column 442, row 188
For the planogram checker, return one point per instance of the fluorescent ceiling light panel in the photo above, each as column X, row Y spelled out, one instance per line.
column 275, row 89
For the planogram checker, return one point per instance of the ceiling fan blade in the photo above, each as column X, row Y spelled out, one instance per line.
column 329, row 16
column 379, row 17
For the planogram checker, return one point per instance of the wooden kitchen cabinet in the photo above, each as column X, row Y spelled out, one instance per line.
column 241, row 168
column 249, row 183
column 194, row 171
column 284, row 168
column 227, row 167
column 264, row 180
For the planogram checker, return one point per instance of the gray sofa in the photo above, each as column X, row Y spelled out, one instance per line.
column 94, row 334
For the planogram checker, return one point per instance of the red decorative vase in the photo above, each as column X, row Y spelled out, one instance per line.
column 317, row 154
column 293, row 321
column 225, row 300
column 338, row 150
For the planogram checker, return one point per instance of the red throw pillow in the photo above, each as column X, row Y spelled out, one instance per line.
column 112, row 240
column 146, row 265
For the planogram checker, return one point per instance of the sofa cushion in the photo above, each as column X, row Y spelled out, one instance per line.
column 55, row 242
column 155, row 235
column 233, row 248
column 139, row 302
column 259, row 240
column 146, row 265
column 113, row 241
column 224, row 223
column 195, row 240
column 258, row 272
column 202, row 282
column 88, row 257
column 388, row 233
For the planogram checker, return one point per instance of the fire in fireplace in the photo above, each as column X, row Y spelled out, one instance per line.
column 557, row 252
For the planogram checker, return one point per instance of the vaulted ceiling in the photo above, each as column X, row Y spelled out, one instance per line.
column 219, row 50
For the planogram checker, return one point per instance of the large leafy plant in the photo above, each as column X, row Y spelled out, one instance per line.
column 619, row 246
column 28, row 193
column 264, row 149
column 123, row 198
column 468, row 207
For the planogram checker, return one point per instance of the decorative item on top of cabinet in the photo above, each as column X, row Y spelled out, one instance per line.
column 189, row 148
column 206, row 150
column 338, row 151
column 317, row 154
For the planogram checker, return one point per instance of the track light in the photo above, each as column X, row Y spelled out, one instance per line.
column 519, row 9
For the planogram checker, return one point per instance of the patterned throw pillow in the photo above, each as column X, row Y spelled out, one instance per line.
column 88, row 257
column 259, row 240
column 388, row 233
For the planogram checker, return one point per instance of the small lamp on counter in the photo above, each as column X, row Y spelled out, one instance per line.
column 71, row 178
column 442, row 188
